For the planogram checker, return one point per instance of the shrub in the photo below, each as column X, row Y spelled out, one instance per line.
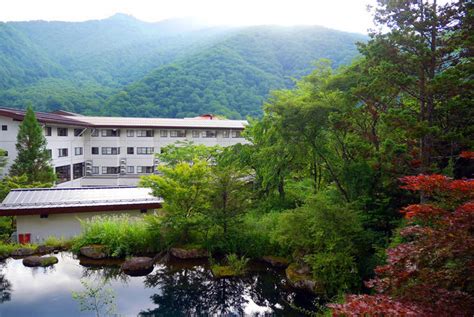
column 238, row 265
column 122, row 235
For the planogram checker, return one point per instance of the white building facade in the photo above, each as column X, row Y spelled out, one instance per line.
column 113, row 151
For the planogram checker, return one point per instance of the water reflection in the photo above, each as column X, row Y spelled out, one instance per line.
column 191, row 290
column 5, row 286
column 175, row 289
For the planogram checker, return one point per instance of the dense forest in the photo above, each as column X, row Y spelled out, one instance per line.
column 175, row 68
column 359, row 179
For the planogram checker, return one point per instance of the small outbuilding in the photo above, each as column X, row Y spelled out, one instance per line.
column 45, row 212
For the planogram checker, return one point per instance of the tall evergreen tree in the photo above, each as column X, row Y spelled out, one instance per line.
column 32, row 159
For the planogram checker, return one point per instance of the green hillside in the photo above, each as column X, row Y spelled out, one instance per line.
column 123, row 66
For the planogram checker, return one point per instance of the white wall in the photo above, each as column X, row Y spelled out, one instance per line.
column 60, row 225
column 86, row 141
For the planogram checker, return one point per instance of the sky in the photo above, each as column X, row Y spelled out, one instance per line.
column 346, row 15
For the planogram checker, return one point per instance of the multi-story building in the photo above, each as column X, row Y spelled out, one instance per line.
column 113, row 151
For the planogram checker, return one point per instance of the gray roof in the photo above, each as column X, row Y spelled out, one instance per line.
column 37, row 198
column 161, row 122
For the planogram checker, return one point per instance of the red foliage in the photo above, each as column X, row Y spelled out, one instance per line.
column 467, row 155
column 432, row 272
column 377, row 305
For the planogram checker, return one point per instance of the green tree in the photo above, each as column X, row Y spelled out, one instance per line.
column 32, row 158
column 185, row 191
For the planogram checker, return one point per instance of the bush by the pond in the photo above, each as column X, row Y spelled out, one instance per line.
column 58, row 243
column 121, row 235
column 234, row 266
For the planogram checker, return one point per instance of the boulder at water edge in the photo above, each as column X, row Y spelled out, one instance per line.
column 300, row 277
column 33, row 261
column 21, row 252
column 191, row 253
column 276, row 261
column 138, row 266
column 94, row 251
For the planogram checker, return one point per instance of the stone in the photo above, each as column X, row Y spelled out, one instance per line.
column 45, row 249
column 94, row 251
column 222, row 271
column 276, row 261
column 138, row 266
column 43, row 261
column 300, row 277
column 191, row 253
column 21, row 252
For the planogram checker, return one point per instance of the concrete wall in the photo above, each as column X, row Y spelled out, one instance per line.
column 60, row 225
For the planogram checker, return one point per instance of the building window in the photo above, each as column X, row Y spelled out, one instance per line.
column 145, row 133
column 78, row 132
column 44, row 216
column 50, row 153
column 95, row 170
column 225, row 133
column 236, row 134
column 95, row 150
column 48, row 131
column 110, row 170
column 62, row 152
column 178, row 133
column 110, row 132
column 130, row 150
column 63, row 173
column 110, row 150
column 144, row 169
column 130, row 169
column 94, row 132
column 195, row 134
column 78, row 151
column 130, row 132
column 62, row 131
column 77, row 170
column 163, row 133
column 4, row 128
column 209, row 134
column 144, row 150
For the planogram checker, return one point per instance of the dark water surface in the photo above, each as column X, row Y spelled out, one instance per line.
column 175, row 289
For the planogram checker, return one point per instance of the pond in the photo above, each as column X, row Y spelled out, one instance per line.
column 175, row 289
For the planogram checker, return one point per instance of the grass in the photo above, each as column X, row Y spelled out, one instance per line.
column 59, row 243
column 121, row 235
column 50, row 260
column 236, row 266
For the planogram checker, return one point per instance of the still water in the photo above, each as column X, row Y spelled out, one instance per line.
column 175, row 289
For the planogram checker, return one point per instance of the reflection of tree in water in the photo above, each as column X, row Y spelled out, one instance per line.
column 193, row 291
column 5, row 286
column 105, row 273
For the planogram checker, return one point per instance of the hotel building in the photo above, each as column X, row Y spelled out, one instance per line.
column 113, row 151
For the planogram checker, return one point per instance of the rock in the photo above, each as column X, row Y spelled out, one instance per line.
column 276, row 261
column 21, row 252
column 45, row 249
column 138, row 266
column 191, row 253
column 94, row 251
column 300, row 277
column 222, row 271
column 33, row 261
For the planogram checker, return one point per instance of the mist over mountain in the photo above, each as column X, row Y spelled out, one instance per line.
column 178, row 67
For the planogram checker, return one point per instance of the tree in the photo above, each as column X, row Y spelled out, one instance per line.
column 3, row 160
column 426, row 54
column 185, row 191
column 431, row 271
column 32, row 158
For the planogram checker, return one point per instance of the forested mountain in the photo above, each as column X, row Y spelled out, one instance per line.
column 123, row 66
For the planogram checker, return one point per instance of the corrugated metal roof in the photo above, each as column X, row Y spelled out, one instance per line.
column 74, row 197
column 86, row 121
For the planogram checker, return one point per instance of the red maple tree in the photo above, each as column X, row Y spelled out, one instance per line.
column 432, row 272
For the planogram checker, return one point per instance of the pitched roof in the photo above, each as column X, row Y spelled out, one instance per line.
column 62, row 117
column 81, row 199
